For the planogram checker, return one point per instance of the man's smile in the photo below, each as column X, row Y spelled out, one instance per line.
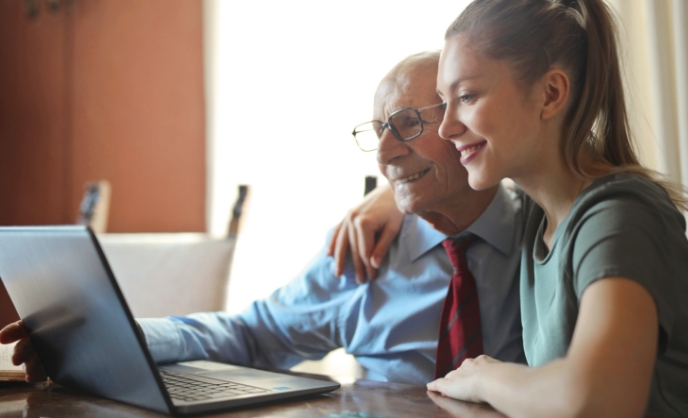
column 412, row 177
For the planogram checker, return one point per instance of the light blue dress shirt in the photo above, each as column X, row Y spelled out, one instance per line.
column 390, row 325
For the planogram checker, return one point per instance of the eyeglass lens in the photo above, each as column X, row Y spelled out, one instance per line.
column 368, row 135
column 406, row 124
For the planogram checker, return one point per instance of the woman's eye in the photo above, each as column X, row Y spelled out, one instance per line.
column 466, row 98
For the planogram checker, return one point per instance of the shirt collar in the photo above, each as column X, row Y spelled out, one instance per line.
column 419, row 237
column 495, row 226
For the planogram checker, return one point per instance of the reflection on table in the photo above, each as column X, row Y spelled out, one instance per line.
column 362, row 398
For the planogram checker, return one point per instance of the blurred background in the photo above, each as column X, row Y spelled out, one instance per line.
column 176, row 102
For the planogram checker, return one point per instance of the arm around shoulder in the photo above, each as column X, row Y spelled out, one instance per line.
column 368, row 231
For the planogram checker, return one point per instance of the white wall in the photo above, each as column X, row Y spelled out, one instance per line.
column 287, row 82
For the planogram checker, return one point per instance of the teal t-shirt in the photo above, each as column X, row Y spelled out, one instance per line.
column 621, row 225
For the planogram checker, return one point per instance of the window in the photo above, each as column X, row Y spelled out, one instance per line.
column 287, row 82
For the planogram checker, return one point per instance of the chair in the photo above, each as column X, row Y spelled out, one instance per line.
column 169, row 274
column 173, row 273
column 95, row 206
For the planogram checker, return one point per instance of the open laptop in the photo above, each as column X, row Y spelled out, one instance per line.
column 86, row 338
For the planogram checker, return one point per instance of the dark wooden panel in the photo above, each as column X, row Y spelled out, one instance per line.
column 33, row 145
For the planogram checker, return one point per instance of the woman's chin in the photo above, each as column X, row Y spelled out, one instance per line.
column 479, row 182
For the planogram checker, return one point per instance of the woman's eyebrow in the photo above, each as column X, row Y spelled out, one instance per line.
column 460, row 80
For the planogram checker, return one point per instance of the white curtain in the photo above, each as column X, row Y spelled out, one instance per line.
column 655, row 34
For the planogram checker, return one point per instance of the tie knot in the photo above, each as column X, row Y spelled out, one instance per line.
column 456, row 250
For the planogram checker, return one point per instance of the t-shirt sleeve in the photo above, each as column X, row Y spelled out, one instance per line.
column 625, row 238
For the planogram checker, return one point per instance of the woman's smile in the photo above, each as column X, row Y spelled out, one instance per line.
column 470, row 151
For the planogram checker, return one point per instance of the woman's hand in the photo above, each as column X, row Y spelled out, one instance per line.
column 368, row 230
column 607, row 370
column 461, row 409
column 463, row 383
column 23, row 351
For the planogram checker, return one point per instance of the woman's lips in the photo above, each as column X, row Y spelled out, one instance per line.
column 468, row 152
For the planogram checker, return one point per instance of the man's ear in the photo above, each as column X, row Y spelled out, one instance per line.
column 556, row 92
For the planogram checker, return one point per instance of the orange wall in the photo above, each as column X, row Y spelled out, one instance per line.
column 106, row 89
column 138, row 110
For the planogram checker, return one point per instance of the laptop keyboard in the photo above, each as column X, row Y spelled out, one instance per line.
column 191, row 388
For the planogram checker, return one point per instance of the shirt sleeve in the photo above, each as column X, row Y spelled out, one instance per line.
column 297, row 322
column 626, row 238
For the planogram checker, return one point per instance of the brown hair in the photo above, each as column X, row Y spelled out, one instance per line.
column 580, row 37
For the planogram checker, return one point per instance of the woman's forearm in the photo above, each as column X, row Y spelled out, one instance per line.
column 607, row 371
column 517, row 390
column 522, row 391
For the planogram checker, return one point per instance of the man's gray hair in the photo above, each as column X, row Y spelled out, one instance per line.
column 423, row 61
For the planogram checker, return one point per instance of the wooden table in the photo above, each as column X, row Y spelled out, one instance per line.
column 376, row 399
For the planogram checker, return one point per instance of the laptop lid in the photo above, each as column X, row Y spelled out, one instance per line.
column 67, row 297
column 86, row 337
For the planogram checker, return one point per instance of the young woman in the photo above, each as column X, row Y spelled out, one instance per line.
column 533, row 92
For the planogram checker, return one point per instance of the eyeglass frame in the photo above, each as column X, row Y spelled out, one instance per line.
column 388, row 124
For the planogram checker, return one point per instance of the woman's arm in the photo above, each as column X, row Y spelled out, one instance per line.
column 369, row 230
column 607, row 371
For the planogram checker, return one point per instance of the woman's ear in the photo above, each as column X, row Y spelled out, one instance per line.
column 556, row 93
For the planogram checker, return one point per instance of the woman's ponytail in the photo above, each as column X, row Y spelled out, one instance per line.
column 580, row 37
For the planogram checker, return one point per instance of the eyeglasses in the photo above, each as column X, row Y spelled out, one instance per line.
column 405, row 124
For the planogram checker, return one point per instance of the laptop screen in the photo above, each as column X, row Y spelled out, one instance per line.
column 85, row 336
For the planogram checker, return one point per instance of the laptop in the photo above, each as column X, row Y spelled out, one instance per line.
column 85, row 335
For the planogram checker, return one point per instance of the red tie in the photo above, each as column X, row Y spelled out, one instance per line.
column 460, row 334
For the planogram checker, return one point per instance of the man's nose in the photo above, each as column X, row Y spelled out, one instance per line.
column 390, row 148
column 451, row 127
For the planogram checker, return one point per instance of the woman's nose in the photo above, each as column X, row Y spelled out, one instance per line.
column 451, row 127
column 390, row 147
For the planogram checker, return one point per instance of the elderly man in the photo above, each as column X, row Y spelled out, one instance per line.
column 390, row 324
